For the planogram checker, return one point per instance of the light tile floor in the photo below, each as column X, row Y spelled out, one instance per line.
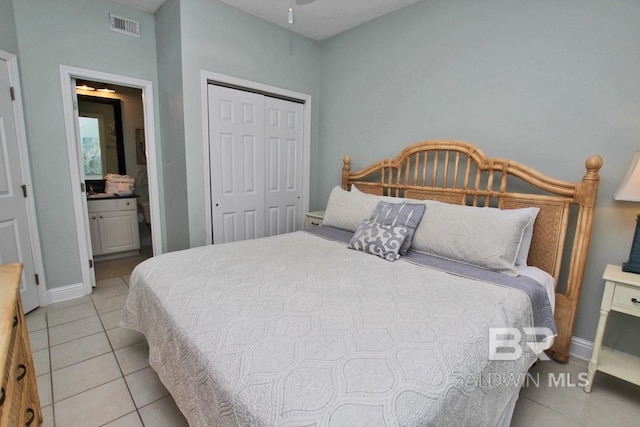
column 91, row 372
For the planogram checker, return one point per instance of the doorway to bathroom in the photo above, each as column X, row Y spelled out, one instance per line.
column 111, row 124
column 114, row 165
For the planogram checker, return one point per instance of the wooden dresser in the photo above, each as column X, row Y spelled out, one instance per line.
column 19, row 401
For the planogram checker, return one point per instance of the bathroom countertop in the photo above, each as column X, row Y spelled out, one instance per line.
column 104, row 196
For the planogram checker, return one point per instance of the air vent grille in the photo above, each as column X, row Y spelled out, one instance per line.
column 124, row 25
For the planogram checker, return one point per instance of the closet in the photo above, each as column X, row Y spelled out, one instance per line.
column 256, row 164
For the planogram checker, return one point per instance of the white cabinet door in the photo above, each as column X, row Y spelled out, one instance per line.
column 94, row 229
column 256, row 161
column 118, row 231
column 113, row 225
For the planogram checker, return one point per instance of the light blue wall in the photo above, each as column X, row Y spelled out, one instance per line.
column 169, row 52
column 8, row 36
column 74, row 33
column 546, row 82
column 221, row 39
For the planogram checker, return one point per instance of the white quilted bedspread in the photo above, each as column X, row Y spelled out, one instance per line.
column 297, row 330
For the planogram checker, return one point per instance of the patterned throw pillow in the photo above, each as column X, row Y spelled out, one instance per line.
column 383, row 240
column 406, row 215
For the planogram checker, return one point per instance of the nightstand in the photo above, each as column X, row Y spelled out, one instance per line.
column 313, row 219
column 622, row 294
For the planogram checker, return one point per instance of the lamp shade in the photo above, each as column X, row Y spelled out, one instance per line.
column 629, row 189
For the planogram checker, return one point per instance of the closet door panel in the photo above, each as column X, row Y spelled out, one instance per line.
column 283, row 195
column 236, row 135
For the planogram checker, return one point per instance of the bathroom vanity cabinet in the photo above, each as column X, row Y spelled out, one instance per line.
column 114, row 226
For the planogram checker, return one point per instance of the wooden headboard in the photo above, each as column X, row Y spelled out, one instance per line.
column 459, row 172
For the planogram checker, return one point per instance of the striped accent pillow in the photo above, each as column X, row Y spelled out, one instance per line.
column 406, row 215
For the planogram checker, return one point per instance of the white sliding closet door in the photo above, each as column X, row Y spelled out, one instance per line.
column 236, row 139
column 283, row 193
column 255, row 146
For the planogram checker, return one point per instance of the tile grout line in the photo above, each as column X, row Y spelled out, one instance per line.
column 112, row 351
column 49, row 374
column 126, row 384
column 566, row 417
column 53, row 406
column 122, row 375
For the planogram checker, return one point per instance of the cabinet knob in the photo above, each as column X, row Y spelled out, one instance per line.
column 101, row 216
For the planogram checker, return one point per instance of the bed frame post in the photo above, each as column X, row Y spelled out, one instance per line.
column 567, row 303
column 346, row 168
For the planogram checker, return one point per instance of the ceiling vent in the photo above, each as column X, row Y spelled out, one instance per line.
column 124, row 25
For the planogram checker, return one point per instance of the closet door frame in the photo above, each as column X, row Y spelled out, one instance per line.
column 209, row 77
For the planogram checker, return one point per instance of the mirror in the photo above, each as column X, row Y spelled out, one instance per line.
column 101, row 135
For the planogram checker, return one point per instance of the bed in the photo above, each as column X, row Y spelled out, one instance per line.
column 342, row 325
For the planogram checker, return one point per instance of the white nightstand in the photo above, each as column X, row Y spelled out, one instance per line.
column 313, row 219
column 622, row 294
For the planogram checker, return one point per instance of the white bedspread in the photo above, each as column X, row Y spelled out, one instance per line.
column 297, row 330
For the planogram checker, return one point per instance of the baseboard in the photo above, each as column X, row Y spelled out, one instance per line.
column 64, row 293
column 581, row 348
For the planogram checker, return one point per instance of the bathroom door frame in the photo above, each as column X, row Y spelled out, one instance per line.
column 68, row 75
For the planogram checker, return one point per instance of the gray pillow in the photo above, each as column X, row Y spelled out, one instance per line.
column 403, row 214
column 383, row 240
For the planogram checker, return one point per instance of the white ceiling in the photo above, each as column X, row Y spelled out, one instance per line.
column 149, row 6
column 316, row 19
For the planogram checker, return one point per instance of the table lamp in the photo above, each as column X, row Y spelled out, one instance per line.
column 629, row 191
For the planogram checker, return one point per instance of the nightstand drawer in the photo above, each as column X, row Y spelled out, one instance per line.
column 313, row 219
column 623, row 298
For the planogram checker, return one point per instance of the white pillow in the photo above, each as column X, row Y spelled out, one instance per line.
column 355, row 189
column 489, row 238
column 347, row 210
column 523, row 252
column 390, row 199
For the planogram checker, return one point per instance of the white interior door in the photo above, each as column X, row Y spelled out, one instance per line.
column 236, row 120
column 283, row 181
column 15, row 238
column 80, row 162
column 256, row 146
